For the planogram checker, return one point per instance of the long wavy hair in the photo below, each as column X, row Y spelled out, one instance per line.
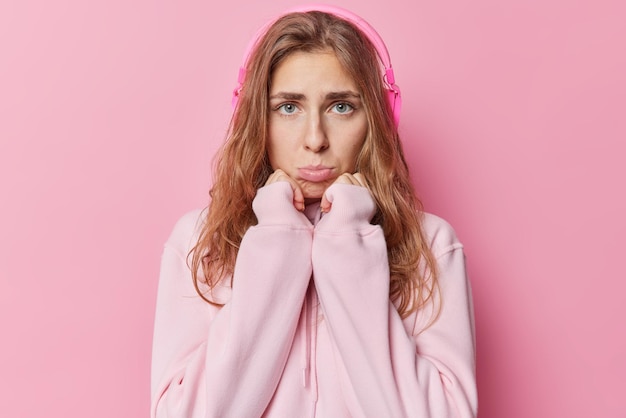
column 242, row 165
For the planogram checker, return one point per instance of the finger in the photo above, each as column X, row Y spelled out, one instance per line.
column 346, row 178
column 356, row 179
column 325, row 205
column 276, row 176
column 360, row 178
column 298, row 196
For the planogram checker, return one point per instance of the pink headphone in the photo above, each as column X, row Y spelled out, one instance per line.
column 393, row 91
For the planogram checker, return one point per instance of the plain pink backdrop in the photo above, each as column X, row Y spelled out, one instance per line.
column 514, row 124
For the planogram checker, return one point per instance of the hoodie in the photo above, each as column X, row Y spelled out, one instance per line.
column 307, row 328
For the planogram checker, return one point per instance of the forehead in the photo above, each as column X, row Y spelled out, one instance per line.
column 311, row 71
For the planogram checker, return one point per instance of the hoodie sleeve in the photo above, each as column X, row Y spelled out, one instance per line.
column 387, row 371
column 226, row 362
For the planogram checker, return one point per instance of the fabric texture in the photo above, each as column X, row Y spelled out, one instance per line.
column 307, row 328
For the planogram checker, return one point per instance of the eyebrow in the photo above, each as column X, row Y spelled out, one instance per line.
column 335, row 95
column 288, row 96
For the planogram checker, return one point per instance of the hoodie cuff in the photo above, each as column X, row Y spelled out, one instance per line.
column 273, row 205
column 353, row 207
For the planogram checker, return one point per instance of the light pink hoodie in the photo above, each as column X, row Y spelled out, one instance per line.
column 308, row 329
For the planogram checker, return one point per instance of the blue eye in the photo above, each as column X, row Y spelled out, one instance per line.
column 343, row 108
column 288, row 108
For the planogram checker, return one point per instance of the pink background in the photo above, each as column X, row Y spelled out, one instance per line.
column 514, row 121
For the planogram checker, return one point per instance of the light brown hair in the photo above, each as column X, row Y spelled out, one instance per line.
column 242, row 165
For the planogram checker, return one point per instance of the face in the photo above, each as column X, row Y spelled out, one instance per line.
column 317, row 122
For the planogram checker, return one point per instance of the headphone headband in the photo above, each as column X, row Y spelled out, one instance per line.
column 393, row 91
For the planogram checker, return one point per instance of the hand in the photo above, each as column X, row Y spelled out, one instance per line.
column 355, row 179
column 298, row 197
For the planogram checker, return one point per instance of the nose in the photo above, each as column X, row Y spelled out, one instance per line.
column 315, row 138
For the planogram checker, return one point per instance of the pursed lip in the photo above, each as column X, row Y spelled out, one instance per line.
column 315, row 173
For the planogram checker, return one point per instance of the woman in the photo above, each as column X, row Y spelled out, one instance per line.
column 313, row 286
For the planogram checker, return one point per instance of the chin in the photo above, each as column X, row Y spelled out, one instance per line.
column 314, row 191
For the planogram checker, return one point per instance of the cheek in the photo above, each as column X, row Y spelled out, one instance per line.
column 277, row 147
column 355, row 147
